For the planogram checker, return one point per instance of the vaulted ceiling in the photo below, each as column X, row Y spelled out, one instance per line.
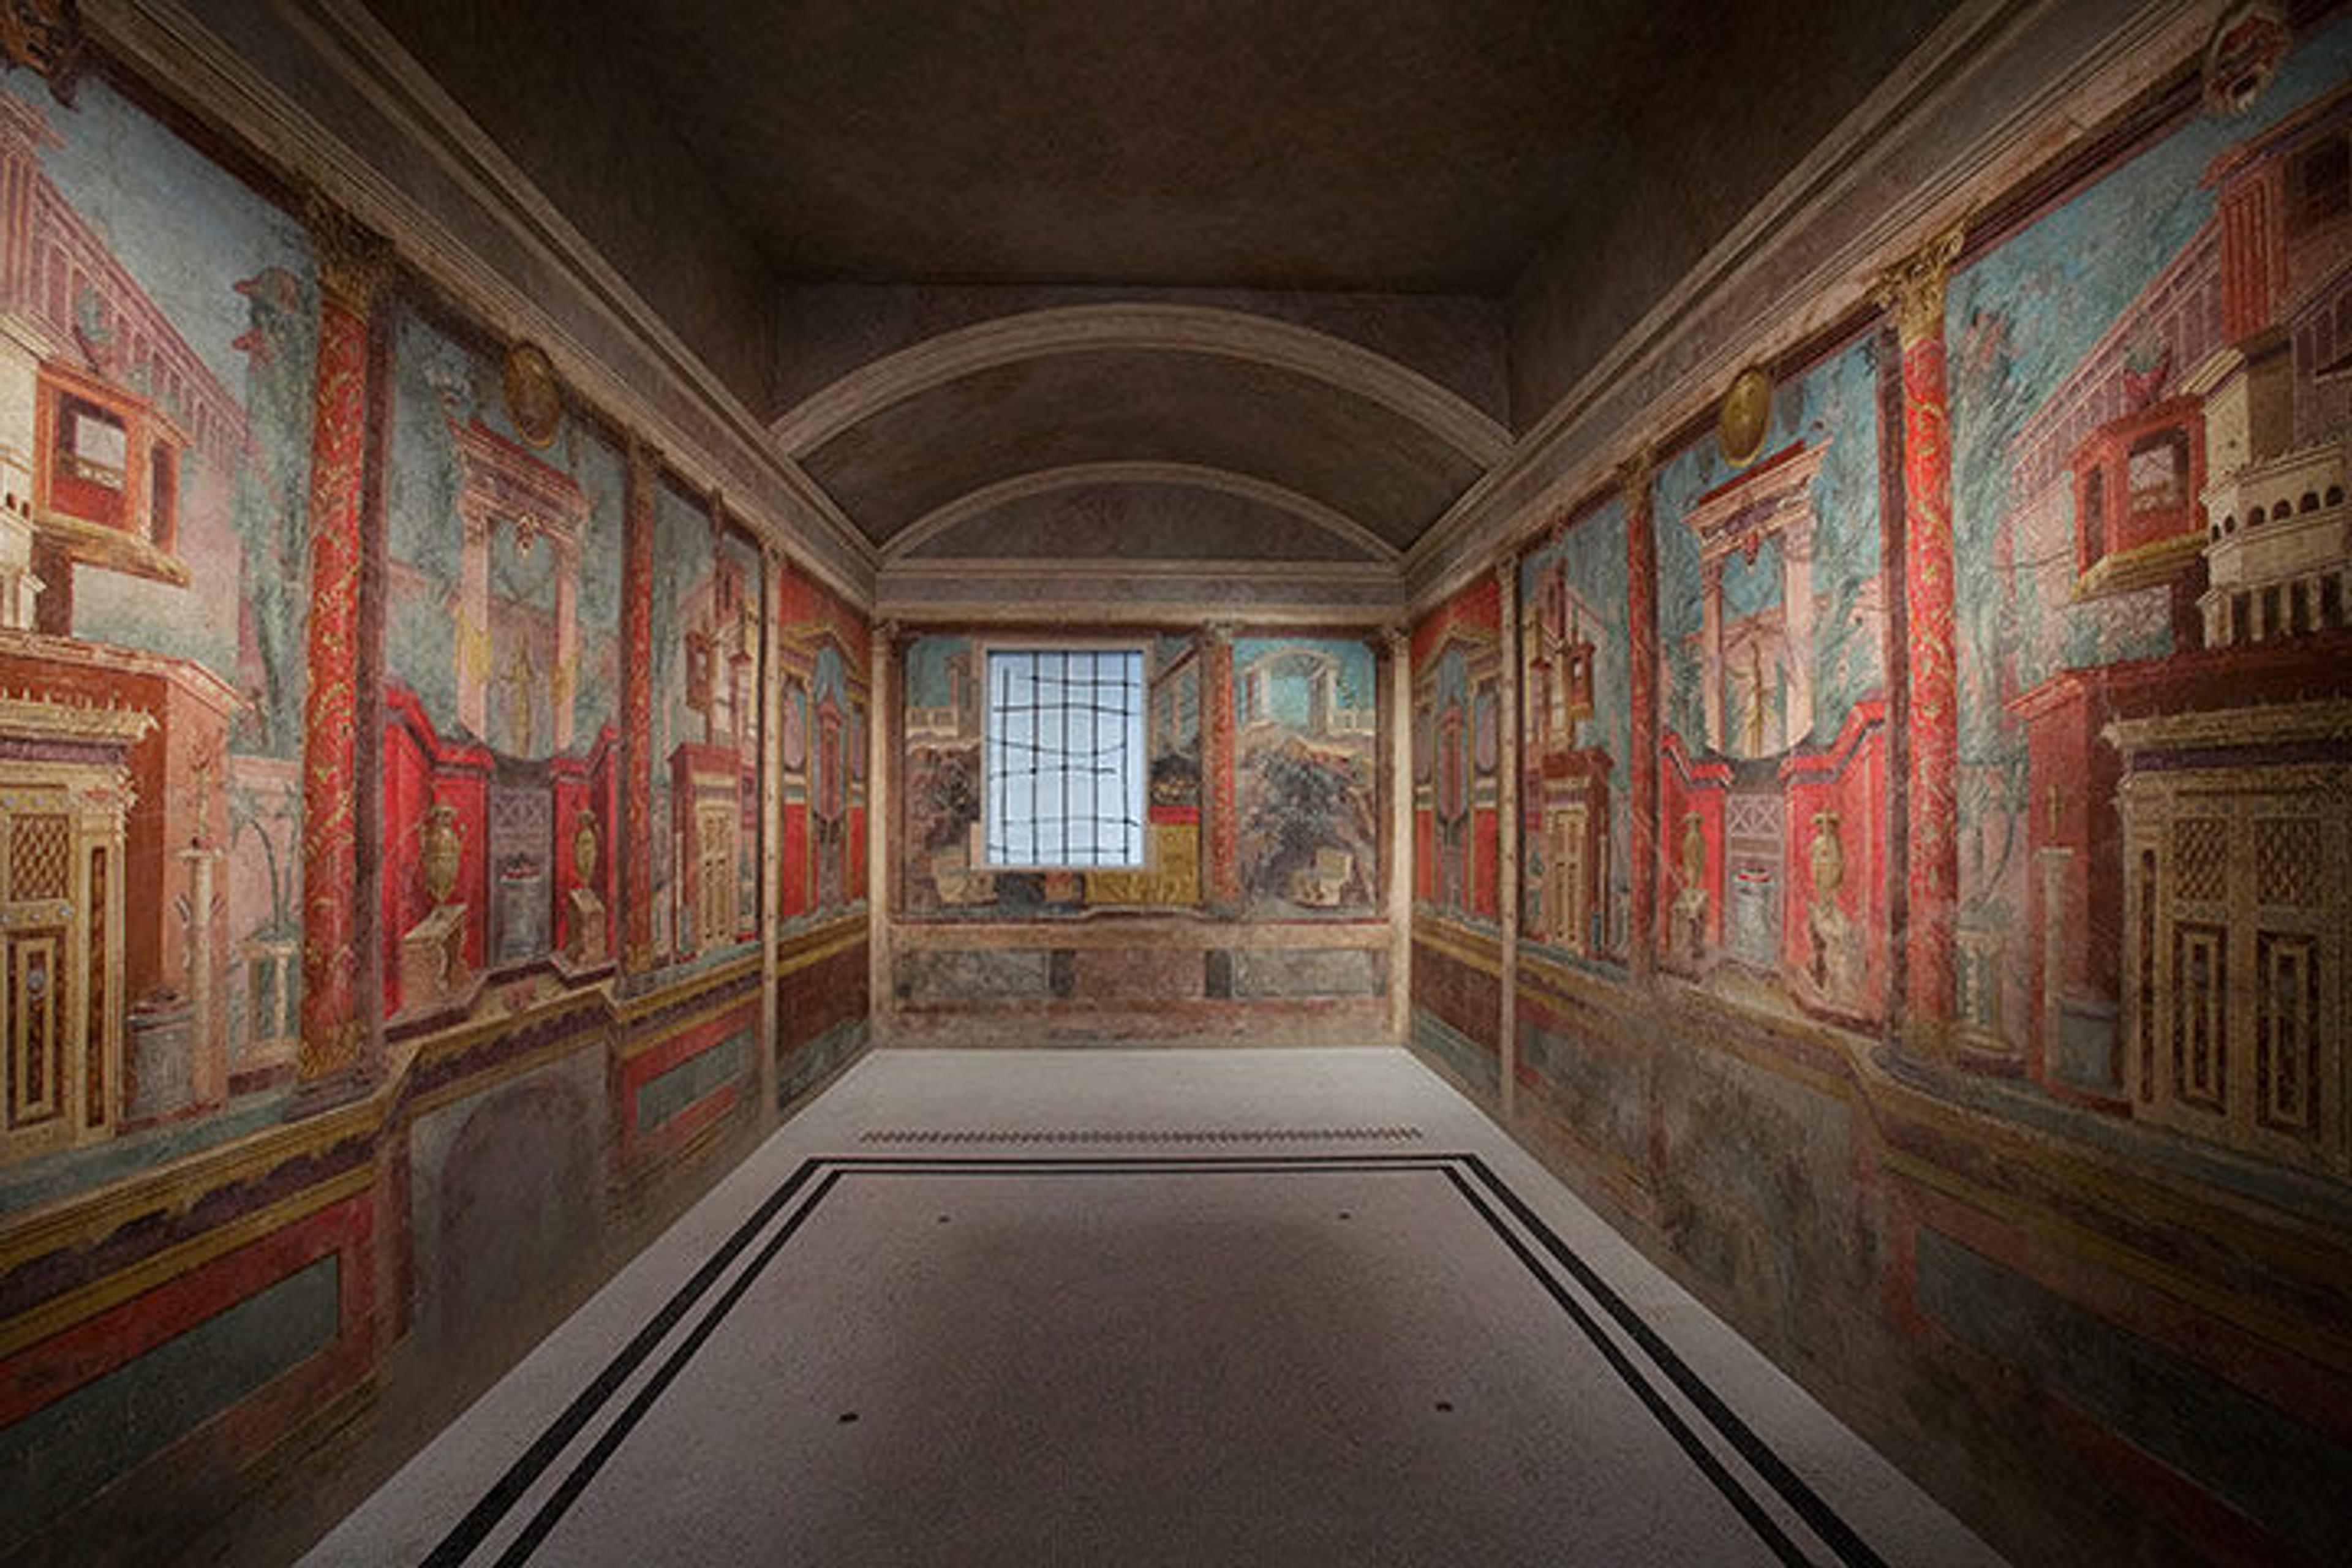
column 1198, row 279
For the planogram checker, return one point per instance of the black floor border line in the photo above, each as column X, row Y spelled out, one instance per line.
column 609, row 1441
column 483, row 1517
column 1766, row 1527
column 470, row 1531
column 1831, row 1527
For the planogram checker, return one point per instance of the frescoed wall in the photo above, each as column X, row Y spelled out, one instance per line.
column 1457, row 697
column 1306, row 718
column 706, row 592
column 2149, row 464
column 2066, row 1238
column 157, row 343
column 1294, row 766
column 1459, row 688
column 824, row 651
column 1772, row 747
column 501, row 684
column 1980, row 1169
column 1575, row 746
column 946, row 867
column 301, row 565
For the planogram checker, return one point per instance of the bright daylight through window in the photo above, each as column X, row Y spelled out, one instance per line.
column 1064, row 757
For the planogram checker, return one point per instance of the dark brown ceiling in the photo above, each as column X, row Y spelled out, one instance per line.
column 839, row 179
column 1370, row 143
column 1375, row 465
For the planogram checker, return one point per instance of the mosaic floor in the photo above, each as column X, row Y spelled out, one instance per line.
column 1144, row 1307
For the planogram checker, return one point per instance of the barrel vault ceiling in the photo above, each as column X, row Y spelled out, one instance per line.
column 1194, row 280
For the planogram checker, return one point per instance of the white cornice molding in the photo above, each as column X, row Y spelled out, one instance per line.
column 1691, row 354
column 1190, row 476
column 1146, row 328
column 174, row 47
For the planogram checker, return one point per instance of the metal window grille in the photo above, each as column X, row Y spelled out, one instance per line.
column 1064, row 757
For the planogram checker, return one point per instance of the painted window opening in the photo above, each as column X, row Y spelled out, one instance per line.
column 1065, row 757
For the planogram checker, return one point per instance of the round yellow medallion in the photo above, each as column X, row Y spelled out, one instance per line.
column 534, row 398
column 1745, row 416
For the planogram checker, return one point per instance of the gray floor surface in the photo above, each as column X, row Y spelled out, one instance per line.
column 1145, row 1307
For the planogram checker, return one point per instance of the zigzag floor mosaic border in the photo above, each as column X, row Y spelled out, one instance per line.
column 1786, row 1515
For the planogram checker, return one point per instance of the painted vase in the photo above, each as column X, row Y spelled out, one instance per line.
column 585, row 849
column 1828, row 855
column 444, row 851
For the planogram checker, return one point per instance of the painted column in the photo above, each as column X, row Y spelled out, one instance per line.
column 1711, row 680
column 1401, row 870
column 1914, row 290
column 473, row 618
column 884, row 724
column 1221, row 834
column 566, row 684
column 2253, row 262
column 1509, row 830
column 637, row 846
column 1797, row 602
column 1634, row 479
column 352, row 262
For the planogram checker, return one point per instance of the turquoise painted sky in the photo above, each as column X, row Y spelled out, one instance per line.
column 1835, row 402
column 435, row 379
column 1287, row 700
column 927, row 668
column 184, row 228
column 2020, row 319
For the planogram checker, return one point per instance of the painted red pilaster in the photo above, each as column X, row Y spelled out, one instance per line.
column 637, row 711
column 333, row 1027
column 2251, row 262
column 1641, row 662
column 1916, row 291
column 1222, row 831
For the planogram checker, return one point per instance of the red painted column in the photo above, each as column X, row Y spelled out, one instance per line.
column 2252, row 260
column 1633, row 480
column 1221, row 832
column 637, row 711
column 1914, row 289
column 351, row 264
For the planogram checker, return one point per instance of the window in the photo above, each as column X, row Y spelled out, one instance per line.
column 1064, row 757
